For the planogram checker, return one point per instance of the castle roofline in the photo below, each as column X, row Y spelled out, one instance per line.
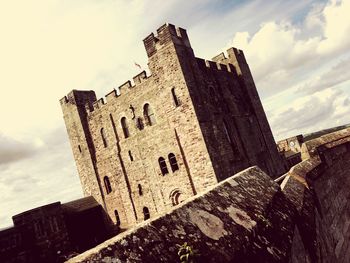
column 37, row 209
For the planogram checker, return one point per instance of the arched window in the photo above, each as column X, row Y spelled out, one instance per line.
column 146, row 214
column 173, row 162
column 176, row 100
column 162, row 165
column 107, row 184
column 175, row 197
column 117, row 218
column 149, row 115
column 140, row 189
column 103, row 136
column 125, row 127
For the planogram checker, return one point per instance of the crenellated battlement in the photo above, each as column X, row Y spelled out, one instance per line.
column 98, row 104
column 231, row 53
column 125, row 87
column 167, row 33
column 119, row 91
column 212, row 65
column 112, row 94
column 64, row 100
column 83, row 98
column 139, row 77
column 235, row 57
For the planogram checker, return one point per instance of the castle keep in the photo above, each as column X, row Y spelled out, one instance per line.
column 163, row 138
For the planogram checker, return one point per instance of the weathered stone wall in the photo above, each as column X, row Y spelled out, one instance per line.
column 243, row 219
column 319, row 189
column 75, row 117
column 268, row 156
column 226, row 116
column 189, row 125
column 250, row 218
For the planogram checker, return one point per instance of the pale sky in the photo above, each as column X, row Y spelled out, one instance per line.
column 298, row 52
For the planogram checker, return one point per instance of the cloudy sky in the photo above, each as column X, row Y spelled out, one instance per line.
column 298, row 52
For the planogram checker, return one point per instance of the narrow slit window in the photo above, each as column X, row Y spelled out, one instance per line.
column 176, row 100
column 228, row 136
column 107, row 185
column 146, row 214
column 117, row 218
column 173, row 162
column 79, row 148
column 130, row 156
column 140, row 189
column 139, row 123
column 149, row 115
column 162, row 165
column 39, row 228
column 103, row 136
column 125, row 127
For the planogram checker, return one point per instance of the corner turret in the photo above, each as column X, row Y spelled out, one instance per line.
column 75, row 107
column 166, row 34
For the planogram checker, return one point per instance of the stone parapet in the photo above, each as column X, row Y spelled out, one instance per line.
column 242, row 218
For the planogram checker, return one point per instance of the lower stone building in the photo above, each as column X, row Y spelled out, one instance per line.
column 54, row 232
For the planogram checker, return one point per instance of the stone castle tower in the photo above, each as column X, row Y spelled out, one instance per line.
column 170, row 135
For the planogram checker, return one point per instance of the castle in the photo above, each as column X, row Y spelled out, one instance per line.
column 163, row 138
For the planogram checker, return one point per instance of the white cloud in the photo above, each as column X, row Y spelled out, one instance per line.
column 281, row 49
column 336, row 27
column 13, row 150
column 334, row 76
column 322, row 109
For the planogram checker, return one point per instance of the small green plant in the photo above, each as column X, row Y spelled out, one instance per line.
column 186, row 253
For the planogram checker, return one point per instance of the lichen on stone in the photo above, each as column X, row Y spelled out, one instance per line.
column 209, row 224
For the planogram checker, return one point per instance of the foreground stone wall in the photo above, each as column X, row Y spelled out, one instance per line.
column 251, row 218
column 319, row 189
column 243, row 218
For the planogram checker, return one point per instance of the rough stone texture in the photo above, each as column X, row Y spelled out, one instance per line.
column 250, row 218
column 319, row 189
column 216, row 127
column 245, row 218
